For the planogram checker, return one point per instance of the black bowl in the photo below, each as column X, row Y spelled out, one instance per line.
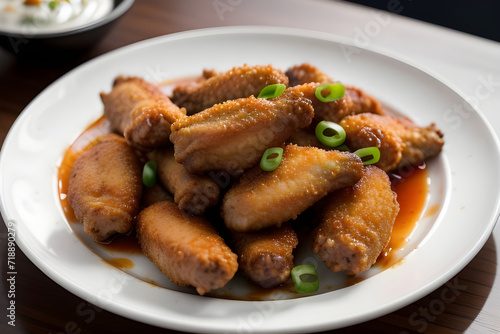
column 65, row 43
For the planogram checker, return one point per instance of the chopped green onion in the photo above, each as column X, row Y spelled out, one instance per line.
column 271, row 91
column 336, row 91
column 271, row 159
column 330, row 134
column 149, row 174
column 369, row 155
column 305, row 278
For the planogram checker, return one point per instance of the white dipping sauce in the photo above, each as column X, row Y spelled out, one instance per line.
column 17, row 17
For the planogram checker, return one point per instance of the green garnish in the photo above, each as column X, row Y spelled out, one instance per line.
column 149, row 174
column 335, row 92
column 271, row 91
column 369, row 155
column 305, row 278
column 330, row 134
column 271, row 159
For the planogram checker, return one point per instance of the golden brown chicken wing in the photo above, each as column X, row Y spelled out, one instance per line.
column 400, row 142
column 233, row 135
column 185, row 248
column 356, row 223
column 265, row 257
column 140, row 111
column 236, row 83
column 306, row 174
column 105, row 187
column 305, row 73
column 193, row 193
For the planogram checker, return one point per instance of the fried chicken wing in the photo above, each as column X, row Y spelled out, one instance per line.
column 306, row 174
column 355, row 100
column 400, row 142
column 356, row 223
column 185, row 248
column 105, row 187
column 193, row 193
column 140, row 111
column 265, row 257
column 305, row 73
column 233, row 135
column 236, row 83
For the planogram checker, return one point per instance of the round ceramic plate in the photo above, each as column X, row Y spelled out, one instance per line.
column 461, row 209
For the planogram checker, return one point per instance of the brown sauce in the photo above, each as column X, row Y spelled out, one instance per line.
column 412, row 190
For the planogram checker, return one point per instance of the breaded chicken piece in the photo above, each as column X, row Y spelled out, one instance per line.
column 233, row 135
column 355, row 100
column 105, row 187
column 141, row 112
column 265, row 257
column 236, row 83
column 185, row 248
column 400, row 142
column 156, row 193
column 193, row 193
column 307, row 137
column 306, row 174
column 305, row 73
column 356, row 223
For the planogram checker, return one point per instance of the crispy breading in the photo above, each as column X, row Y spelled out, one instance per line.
column 306, row 174
column 105, row 187
column 305, row 73
column 236, row 83
column 356, row 223
column 186, row 248
column 266, row 256
column 400, row 142
column 233, row 135
column 193, row 193
column 140, row 111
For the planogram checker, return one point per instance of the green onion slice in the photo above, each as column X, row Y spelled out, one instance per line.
column 335, row 92
column 271, row 91
column 369, row 155
column 305, row 278
column 271, row 158
column 330, row 134
column 149, row 174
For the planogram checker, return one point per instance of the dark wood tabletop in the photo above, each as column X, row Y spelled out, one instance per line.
column 42, row 306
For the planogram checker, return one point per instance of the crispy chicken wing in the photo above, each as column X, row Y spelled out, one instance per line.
column 265, row 257
column 140, row 111
column 400, row 142
column 236, row 83
column 355, row 100
column 305, row 73
column 233, row 135
column 306, row 174
column 105, row 187
column 356, row 223
column 185, row 248
column 193, row 193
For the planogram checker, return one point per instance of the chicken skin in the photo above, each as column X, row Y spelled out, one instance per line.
column 400, row 142
column 185, row 248
column 233, row 135
column 265, row 257
column 356, row 223
column 306, row 174
column 193, row 193
column 355, row 100
column 105, row 187
column 236, row 83
column 305, row 73
column 140, row 112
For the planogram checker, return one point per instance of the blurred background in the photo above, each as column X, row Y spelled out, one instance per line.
column 476, row 17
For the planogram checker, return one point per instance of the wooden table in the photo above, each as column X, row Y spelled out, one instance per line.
column 468, row 302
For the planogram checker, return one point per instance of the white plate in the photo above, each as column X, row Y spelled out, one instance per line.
column 464, row 183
